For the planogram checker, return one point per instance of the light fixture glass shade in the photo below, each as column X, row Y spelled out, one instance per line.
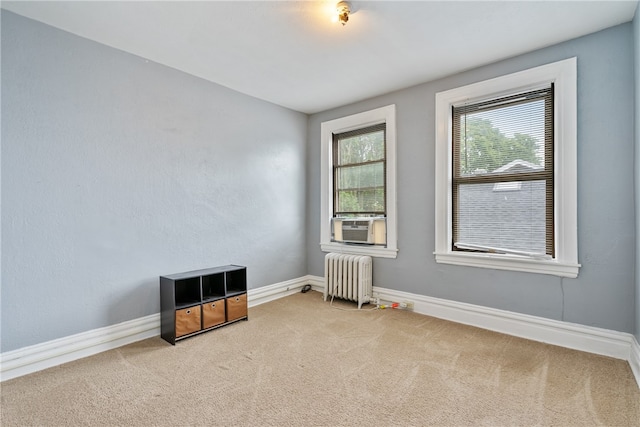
column 343, row 9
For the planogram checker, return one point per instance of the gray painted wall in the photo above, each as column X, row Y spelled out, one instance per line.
column 603, row 293
column 116, row 170
column 636, row 38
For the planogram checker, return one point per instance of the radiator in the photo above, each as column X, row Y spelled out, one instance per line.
column 348, row 277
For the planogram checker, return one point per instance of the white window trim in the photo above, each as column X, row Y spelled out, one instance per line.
column 344, row 124
column 563, row 74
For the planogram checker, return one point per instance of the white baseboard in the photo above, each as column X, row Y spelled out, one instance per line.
column 619, row 345
column 579, row 337
column 634, row 360
column 37, row 357
column 272, row 292
column 615, row 344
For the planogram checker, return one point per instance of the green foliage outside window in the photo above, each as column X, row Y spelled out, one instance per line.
column 485, row 148
column 360, row 174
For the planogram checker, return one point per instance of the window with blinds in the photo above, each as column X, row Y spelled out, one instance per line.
column 502, row 185
column 359, row 172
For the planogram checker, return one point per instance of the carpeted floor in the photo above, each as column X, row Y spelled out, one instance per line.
column 299, row 362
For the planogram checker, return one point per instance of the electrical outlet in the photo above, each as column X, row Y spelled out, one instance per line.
column 407, row 305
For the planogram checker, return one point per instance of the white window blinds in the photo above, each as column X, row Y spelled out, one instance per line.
column 502, row 188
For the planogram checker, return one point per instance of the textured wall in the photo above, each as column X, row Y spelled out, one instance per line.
column 603, row 293
column 116, row 170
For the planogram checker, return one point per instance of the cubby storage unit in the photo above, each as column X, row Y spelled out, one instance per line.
column 198, row 301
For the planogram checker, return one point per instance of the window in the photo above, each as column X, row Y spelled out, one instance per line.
column 506, row 172
column 498, row 145
column 359, row 164
column 358, row 178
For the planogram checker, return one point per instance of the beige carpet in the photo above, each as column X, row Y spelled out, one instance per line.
column 299, row 362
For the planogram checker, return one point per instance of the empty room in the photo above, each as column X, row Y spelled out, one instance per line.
column 320, row 213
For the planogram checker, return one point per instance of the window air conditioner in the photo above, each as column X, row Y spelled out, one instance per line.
column 366, row 231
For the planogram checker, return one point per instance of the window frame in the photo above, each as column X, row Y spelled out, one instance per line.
column 564, row 76
column 365, row 119
column 545, row 173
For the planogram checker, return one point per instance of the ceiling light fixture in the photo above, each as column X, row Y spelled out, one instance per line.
column 343, row 9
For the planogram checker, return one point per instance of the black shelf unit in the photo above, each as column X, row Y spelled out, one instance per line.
column 198, row 301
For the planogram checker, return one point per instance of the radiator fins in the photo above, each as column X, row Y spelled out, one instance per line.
column 348, row 277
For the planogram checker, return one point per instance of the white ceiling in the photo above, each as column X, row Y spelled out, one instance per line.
column 292, row 54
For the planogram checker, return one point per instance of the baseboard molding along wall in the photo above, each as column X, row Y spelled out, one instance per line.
column 37, row 357
column 614, row 344
column 634, row 360
column 279, row 290
column 619, row 345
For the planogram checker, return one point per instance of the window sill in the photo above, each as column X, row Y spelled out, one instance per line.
column 373, row 251
column 506, row 262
